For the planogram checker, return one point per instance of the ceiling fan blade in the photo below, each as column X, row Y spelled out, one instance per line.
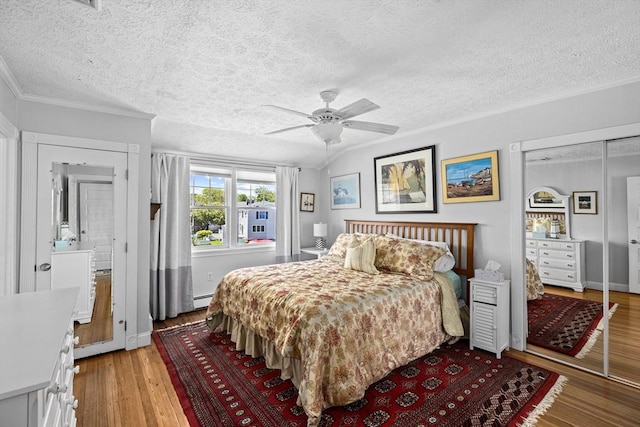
column 288, row 129
column 359, row 107
column 369, row 126
column 289, row 111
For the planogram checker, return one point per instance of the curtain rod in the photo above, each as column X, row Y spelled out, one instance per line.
column 220, row 160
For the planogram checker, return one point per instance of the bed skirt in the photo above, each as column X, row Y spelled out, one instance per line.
column 254, row 345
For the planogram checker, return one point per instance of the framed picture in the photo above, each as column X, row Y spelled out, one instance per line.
column 471, row 178
column 585, row 202
column 345, row 191
column 307, row 202
column 406, row 181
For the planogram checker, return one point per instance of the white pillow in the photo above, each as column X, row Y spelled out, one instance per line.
column 442, row 264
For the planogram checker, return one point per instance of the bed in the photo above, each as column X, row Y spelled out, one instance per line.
column 338, row 324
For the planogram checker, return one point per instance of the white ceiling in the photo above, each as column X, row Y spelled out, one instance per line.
column 204, row 68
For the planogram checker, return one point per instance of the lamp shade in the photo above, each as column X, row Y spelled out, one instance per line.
column 320, row 230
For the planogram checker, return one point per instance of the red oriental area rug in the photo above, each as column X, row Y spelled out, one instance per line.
column 453, row 386
column 567, row 325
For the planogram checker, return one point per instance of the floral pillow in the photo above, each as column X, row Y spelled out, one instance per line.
column 361, row 255
column 406, row 256
column 339, row 248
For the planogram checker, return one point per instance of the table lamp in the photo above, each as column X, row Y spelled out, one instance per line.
column 320, row 232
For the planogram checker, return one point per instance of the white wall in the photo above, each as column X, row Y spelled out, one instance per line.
column 605, row 108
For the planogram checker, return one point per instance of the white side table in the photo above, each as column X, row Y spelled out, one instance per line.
column 490, row 315
column 314, row 251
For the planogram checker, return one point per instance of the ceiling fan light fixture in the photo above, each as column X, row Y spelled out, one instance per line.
column 328, row 132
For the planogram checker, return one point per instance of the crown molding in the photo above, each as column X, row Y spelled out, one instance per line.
column 7, row 76
column 17, row 91
column 86, row 106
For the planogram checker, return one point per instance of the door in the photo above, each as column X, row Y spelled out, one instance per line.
column 53, row 231
column 96, row 220
column 633, row 226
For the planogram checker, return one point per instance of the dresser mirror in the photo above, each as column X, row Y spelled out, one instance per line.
column 82, row 236
column 599, row 173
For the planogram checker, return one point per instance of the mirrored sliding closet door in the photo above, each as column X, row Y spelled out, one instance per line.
column 578, row 233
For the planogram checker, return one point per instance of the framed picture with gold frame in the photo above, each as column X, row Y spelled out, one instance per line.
column 472, row 178
column 307, row 202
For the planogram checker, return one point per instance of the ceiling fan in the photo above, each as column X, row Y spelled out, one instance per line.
column 328, row 122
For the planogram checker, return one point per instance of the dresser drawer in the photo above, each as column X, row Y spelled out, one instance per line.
column 531, row 252
column 532, row 244
column 553, row 273
column 557, row 254
column 485, row 294
column 568, row 264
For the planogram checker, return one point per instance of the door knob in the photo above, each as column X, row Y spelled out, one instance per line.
column 634, row 242
column 45, row 266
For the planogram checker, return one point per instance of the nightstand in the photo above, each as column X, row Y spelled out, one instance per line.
column 314, row 251
column 490, row 315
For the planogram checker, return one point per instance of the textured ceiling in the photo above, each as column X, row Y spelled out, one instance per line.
column 204, row 68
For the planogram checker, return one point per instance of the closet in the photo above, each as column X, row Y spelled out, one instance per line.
column 596, row 171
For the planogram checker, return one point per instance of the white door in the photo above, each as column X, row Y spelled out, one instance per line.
column 633, row 226
column 96, row 220
column 50, row 157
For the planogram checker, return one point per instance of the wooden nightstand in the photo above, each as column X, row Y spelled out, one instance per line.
column 490, row 315
column 314, row 251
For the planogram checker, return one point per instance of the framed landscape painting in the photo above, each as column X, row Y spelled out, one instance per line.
column 585, row 202
column 406, row 181
column 471, row 178
column 345, row 191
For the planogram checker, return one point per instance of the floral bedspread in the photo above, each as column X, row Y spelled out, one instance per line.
column 348, row 328
column 535, row 288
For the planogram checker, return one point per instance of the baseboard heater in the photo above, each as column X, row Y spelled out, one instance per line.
column 202, row 297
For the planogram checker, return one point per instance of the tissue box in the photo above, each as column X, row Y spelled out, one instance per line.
column 489, row 275
column 539, row 234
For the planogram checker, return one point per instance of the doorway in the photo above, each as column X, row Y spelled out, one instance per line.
column 58, row 183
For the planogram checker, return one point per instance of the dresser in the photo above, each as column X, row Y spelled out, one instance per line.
column 76, row 269
column 560, row 262
column 489, row 315
column 36, row 354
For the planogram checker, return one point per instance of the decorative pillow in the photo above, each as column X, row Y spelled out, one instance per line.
column 443, row 264
column 406, row 256
column 361, row 255
column 342, row 242
column 339, row 247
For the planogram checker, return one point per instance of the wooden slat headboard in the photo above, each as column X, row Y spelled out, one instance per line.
column 459, row 237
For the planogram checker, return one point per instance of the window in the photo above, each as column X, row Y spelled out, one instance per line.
column 232, row 207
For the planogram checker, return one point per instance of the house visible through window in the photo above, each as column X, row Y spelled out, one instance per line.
column 232, row 207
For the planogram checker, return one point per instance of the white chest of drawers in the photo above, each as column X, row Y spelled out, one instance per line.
column 76, row 268
column 559, row 262
column 489, row 315
column 36, row 359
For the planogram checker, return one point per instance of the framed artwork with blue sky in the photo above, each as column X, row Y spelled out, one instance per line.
column 472, row 178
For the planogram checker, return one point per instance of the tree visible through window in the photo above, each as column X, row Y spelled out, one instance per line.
column 216, row 192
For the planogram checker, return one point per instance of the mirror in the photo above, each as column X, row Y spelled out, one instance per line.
column 623, row 184
column 82, row 235
column 565, row 249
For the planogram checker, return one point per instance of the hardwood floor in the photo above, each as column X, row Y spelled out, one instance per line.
column 133, row 388
column 101, row 326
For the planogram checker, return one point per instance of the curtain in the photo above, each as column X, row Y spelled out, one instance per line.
column 287, row 220
column 171, row 281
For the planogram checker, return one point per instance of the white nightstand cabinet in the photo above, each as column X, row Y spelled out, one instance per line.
column 489, row 315
column 314, row 251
